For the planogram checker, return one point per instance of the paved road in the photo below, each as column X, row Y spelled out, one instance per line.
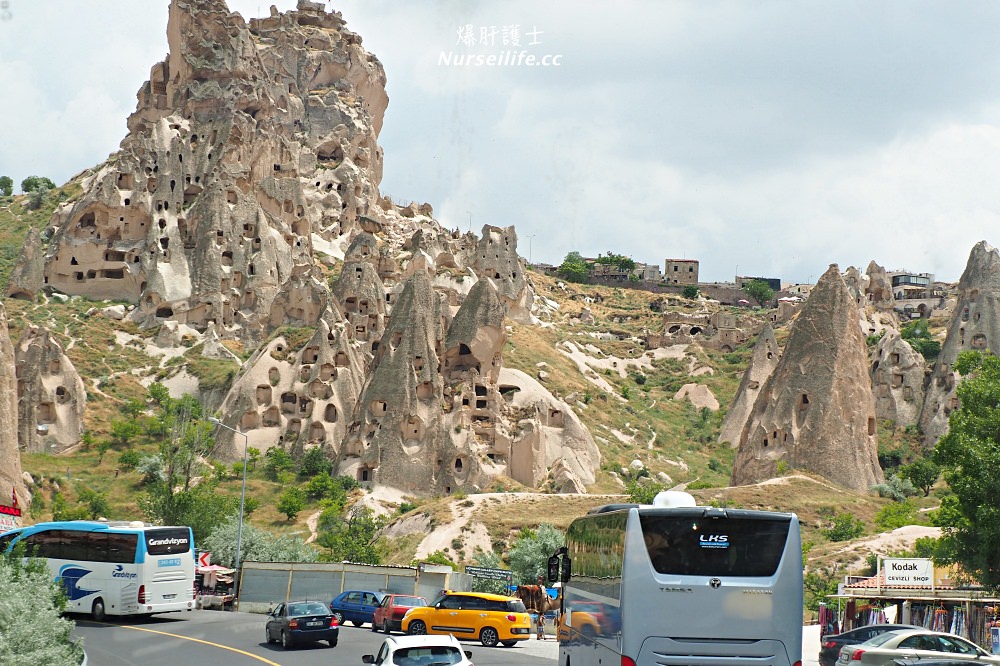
column 207, row 638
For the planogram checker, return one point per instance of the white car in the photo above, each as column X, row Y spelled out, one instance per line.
column 420, row 651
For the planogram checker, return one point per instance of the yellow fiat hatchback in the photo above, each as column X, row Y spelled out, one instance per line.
column 490, row 618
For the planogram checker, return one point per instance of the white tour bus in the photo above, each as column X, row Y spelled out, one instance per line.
column 114, row 568
column 676, row 584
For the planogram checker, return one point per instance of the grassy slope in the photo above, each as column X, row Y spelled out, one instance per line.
column 684, row 446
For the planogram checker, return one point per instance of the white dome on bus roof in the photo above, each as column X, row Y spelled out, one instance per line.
column 670, row 499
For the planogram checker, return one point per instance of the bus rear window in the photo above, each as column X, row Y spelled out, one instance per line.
column 168, row 541
column 696, row 546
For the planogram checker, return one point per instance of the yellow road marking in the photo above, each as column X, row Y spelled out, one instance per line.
column 198, row 640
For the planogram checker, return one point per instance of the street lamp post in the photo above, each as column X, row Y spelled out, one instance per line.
column 530, row 238
column 243, row 492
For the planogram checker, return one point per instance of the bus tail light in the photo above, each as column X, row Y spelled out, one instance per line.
column 629, row 661
column 141, row 599
column 856, row 656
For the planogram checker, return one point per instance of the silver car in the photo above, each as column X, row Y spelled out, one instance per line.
column 911, row 644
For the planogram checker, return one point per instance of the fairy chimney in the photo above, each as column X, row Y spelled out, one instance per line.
column 11, row 481
column 816, row 411
column 897, row 380
column 762, row 363
column 51, row 395
column 975, row 324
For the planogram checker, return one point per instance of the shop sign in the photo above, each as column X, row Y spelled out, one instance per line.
column 908, row 572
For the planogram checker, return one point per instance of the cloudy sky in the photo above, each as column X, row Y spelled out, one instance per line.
column 761, row 138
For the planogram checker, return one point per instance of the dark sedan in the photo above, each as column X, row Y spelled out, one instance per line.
column 300, row 622
column 357, row 606
column 829, row 646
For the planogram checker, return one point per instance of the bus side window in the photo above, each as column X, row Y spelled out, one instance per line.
column 5, row 541
column 121, row 548
column 73, row 545
column 97, row 547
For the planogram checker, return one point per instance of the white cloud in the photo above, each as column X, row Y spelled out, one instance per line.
column 769, row 138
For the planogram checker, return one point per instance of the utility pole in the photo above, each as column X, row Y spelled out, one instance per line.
column 529, row 248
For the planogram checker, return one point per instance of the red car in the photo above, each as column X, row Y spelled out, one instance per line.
column 390, row 612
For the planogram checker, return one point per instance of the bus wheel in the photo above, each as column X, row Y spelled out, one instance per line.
column 489, row 637
column 97, row 610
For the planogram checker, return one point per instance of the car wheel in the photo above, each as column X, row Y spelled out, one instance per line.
column 385, row 627
column 417, row 628
column 489, row 637
column 267, row 636
column 339, row 617
column 509, row 643
column 286, row 641
column 332, row 642
column 357, row 623
column 374, row 626
column 97, row 610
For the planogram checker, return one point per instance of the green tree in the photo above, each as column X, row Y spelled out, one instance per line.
column 103, row 447
column 354, row 539
column 123, row 431
column 291, row 502
column 759, row 290
column 844, row 528
column 818, row 585
column 128, row 460
column 896, row 487
column 253, row 457
column 6, row 186
column 97, row 503
column 315, row 462
column 36, row 198
column 970, row 457
column 690, row 291
column 531, row 551
column 897, row 514
column 642, row 493
column 33, row 183
column 256, row 545
column 922, row 473
column 276, row 461
column 32, row 627
column 574, row 268
column 918, row 334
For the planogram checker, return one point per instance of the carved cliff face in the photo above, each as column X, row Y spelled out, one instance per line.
column 762, row 363
column 10, row 456
column 51, row 395
column 816, row 411
column 975, row 324
column 249, row 143
column 897, row 380
column 250, row 171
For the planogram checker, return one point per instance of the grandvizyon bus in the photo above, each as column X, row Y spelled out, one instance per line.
column 114, row 568
column 677, row 584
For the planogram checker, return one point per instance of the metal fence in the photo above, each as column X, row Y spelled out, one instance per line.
column 263, row 585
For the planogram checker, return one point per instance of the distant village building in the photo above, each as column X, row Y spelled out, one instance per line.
column 715, row 330
column 681, row 271
column 744, row 280
column 906, row 285
column 648, row 272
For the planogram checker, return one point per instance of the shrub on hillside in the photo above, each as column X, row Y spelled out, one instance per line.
column 32, row 629
column 844, row 528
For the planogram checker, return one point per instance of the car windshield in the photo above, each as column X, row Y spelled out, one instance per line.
column 881, row 638
column 307, row 608
column 438, row 655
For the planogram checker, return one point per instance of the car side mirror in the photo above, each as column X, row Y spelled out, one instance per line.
column 368, row 658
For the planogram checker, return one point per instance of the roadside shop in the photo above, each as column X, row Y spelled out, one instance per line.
column 914, row 591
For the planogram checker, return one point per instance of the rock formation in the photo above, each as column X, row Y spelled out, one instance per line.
column 51, row 396
column 897, row 380
column 250, row 172
column 816, row 410
column 11, row 480
column 27, row 278
column 762, row 363
column 975, row 324
column 879, row 288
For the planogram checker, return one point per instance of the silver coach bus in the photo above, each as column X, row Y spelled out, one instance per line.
column 676, row 584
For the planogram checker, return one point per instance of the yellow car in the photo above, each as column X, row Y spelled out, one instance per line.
column 490, row 618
